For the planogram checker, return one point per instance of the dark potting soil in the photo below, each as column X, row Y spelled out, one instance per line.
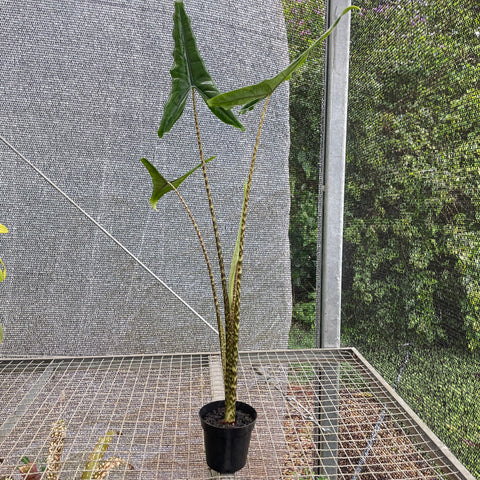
column 216, row 417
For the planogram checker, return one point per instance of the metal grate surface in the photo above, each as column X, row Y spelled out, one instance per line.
column 316, row 409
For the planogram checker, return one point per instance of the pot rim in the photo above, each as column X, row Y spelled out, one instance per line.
column 240, row 406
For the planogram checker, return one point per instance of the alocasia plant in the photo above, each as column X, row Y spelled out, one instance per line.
column 189, row 74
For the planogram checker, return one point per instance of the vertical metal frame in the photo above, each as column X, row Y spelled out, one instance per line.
column 330, row 235
column 331, row 195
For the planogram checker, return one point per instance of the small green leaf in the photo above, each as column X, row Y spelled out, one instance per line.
column 249, row 96
column 97, row 454
column 3, row 271
column 161, row 186
column 189, row 71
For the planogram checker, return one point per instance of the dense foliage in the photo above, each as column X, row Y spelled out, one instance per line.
column 305, row 23
column 413, row 206
column 412, row 215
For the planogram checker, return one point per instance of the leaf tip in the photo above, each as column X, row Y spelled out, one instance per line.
column 153, row 203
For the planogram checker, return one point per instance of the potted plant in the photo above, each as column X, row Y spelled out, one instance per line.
column 3, row 273
column 227, row 424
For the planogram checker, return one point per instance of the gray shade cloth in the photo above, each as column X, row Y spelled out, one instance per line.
column 83, row 84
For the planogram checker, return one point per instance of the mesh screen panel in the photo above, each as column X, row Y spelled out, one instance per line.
column 153, row 402
column 83, row 87
column 305, row 22
column 411, row 269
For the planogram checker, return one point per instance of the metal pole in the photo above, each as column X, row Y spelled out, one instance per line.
column 331, row 197
column 330, row 236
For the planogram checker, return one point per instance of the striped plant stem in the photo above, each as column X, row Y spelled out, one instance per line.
column 233, row 320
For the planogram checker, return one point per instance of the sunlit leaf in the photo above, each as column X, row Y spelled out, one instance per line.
column 161, row 186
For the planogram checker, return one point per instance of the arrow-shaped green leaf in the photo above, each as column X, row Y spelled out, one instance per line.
column 161, row 186
column 189, row 71
column 251, row 95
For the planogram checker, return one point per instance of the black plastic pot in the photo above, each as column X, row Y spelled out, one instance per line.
column 226, row 447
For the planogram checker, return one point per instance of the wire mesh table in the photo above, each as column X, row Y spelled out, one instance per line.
column 321, row 414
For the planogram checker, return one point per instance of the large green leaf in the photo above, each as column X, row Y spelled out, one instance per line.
column 189, row 71
column 249, row 96
column 161, row 186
